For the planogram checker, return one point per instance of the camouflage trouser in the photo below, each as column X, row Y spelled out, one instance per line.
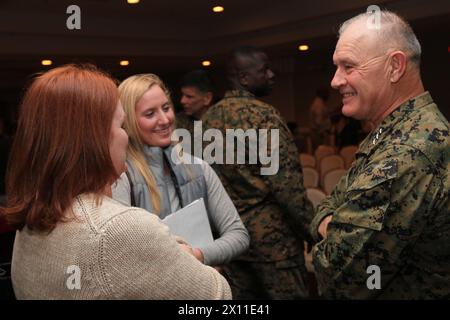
column 281, row 280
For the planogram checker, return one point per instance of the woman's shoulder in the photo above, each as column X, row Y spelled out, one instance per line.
column 108, row 211
column 201, row 166
column 184, row 158
column 179, row 155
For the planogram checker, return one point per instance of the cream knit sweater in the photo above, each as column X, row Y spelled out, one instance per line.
column 110, row 252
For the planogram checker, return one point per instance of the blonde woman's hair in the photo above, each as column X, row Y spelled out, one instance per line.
column 131, row 91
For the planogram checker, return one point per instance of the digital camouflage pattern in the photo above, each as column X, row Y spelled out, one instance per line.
column 392, row 210
column 274, row 208
column 283, row 280
column 183, row 121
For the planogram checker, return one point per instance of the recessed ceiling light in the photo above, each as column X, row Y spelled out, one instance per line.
column 218, row 9
column 124, row 63
column 303, row 47
column 47, row 62
column 206, row 63
column 133, row 1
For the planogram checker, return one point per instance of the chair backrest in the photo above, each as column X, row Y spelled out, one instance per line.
column 310, row 177
column 315, row 196
column 331, row 178
column 329, row 163
column 322, row 151
column 307, row 160
column 348, row 154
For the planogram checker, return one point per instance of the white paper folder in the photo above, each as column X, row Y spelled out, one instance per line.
column 191, row 223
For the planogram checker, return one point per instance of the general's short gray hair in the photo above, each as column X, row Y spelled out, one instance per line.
column 394, row 32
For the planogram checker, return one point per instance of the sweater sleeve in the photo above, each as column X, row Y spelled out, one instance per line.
column 140, row 259
column 234, row 238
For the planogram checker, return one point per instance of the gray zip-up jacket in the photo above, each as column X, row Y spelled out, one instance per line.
column 184, row 184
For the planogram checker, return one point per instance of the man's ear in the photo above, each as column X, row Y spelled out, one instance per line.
column 398, row 64
column 207, row 98
column 242, row 77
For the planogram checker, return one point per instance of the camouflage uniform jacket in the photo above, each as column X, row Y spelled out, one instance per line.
column 184, row 121
column 391, row 210
column 274, row 208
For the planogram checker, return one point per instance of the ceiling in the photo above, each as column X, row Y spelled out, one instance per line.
column 166, row 36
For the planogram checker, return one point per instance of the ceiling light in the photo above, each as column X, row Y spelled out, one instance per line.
column 303, row 47
column 206, row 63
column 133, row 1
column 218, row 9
column 124, row 63
column 46, row 62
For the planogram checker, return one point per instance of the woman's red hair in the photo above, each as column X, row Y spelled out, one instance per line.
column 61, row 147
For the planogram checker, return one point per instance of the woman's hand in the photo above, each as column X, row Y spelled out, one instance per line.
column 187, row 248
column 196, row 252
column 220, row 269
column 199, row 255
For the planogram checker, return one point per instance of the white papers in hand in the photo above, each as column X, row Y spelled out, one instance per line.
column 191, row 223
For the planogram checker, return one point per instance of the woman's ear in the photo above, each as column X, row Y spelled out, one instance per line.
column 398, row 63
